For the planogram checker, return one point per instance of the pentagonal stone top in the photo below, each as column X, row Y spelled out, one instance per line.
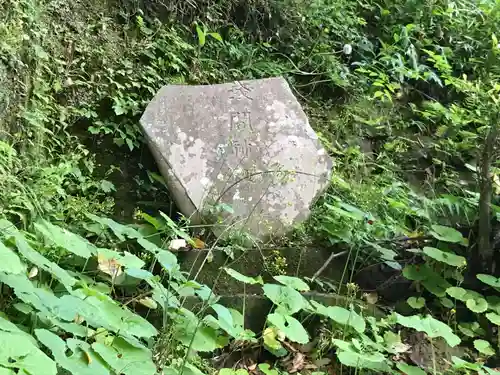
column 247, row 145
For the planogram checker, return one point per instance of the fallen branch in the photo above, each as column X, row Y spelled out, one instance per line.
column 330, row 258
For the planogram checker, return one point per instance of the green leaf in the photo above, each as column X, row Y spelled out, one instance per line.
column 376, row 361
column 484, row 347
column 215, row 36
column 19, row 351
column 107, row 186
column 266, row 369
column 39, row 260
column 436, row 285
column 42, row 299
column 459, row 363
column 201, row 35
column 478, row 305
column 489, row 280
column 125, row 358
column 494, row 318
column 458, row 293
column 230, row 371
column 347, row 317
column 416, row 303
column 9, row 261
column 102, row 311
column 446, row 302
column 271, row 342
column 83, row 360
column 226, row 322
column 288, row 300
column 293, row 282
column 65, row 239
column 446, row 234
column 119, row 230
column 410, row 370
column 126, row 260
column 351, row 214
column 445, row 257
column 168, row 260
column 290, row 326
column 471, row 329
column 429, row 325
column 494, row 303
column 341, row 316
column 473, row 300
column 206, row 339
column 242, row 278
column 417, row 272
column 491, row 371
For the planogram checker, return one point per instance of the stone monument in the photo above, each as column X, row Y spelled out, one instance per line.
column 244, row 151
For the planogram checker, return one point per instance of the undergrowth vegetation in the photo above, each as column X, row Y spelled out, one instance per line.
column 404, row 96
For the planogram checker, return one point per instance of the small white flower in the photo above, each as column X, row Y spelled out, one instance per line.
column 347, row 49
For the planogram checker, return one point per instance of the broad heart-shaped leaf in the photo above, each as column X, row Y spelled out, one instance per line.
column 39, row 260
column 445, row 257
column 9, row 261
column 489, row 280
column 430, row 280
column 290, row 326
column 125, row 358
column 266, row 369
column 376, row 361
column 472, row 329
column 341, row 315
column 167, row 259
column 484, row 347
column 459, row 293
column 494, row 318
column 478, row 305
column 417, row 272
column 119, row 230
column 429, row 325
column 292, row 282
column 446, row 234
column 105, row 312
column 410, row 370
column 446, row 302
column 436, row 285
column 494, row 303
column 190, row 331
column 42, row 299
column 416, row 303
column 18, row 350
column 288, row 300
column 242, row 278
column 230, row 321
column 65, row 239
column 459, row 363
column 473, row 300
column 83, row 360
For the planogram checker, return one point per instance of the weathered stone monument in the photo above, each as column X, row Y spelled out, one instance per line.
column 245, row 146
